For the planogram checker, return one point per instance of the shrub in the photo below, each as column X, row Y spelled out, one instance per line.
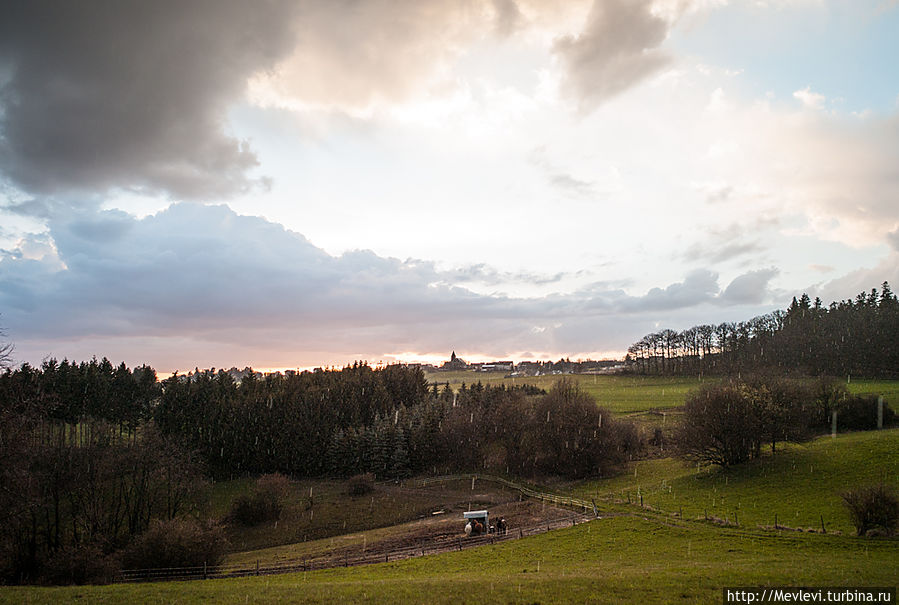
column 82, row 564
column 828, row 394
column 360, row 485
column 718, row 426
column 264, row 503
column 860, row 413
column 728, row 423
column 873, row 509
column 176, row 543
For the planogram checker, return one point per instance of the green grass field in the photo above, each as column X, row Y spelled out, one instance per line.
column 621, row 394
column 801, row 484
column 620, row 559
column 629, row 394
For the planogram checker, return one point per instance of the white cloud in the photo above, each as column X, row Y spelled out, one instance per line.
column 809, row 99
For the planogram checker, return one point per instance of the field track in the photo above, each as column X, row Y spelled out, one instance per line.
column 425, row 548
column 375, row 554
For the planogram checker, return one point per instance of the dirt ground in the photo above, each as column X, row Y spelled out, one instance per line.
column 446, row 525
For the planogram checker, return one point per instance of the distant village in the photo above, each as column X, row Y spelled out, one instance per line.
column 526, row 368
column 457, row 364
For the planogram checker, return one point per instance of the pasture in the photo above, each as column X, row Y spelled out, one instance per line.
column 620, row 393
column 663, row 552
column 632, row 394
column 629, row 559
column 800, row 484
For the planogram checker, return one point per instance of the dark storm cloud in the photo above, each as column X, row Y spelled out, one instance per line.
column 131, row 94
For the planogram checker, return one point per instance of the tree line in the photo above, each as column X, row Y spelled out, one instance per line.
column 94, row 456
column 858, row 337
column 522, row 430
column 385, row 421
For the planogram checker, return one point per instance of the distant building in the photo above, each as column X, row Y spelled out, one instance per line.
column 498, row 366
column 455, row 363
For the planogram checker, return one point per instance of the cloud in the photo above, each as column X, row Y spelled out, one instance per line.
column 838, row 171
column 382, row 51
column 698, row 287
column 618, row 48
column 485, row 274
column 201, row 285
column 749, row 288
column 573, row 186
column 721, row 244
column 822, row 268
column 132, row 95
column 508, row 17
column 809, row 99
column 893, row 239
column 861, row 280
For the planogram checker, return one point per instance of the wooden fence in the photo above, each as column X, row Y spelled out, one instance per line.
column 350, row 560
column 569, row 501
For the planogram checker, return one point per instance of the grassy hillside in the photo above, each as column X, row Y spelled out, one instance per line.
column 621, row 559
column 801, row 484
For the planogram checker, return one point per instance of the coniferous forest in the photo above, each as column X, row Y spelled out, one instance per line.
column 857, row 337
column 101, row 453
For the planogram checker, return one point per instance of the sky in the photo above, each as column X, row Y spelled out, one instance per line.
column 274, row 184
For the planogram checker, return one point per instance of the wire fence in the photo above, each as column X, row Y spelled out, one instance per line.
column 347, row 559
column 559, row 500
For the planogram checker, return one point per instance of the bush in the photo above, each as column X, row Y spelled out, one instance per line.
column 728, row 423
column 860, row 413
column 873, row 509
column 176, row 543
column 264, row 503
column 360, row 485
column 718, row 426
column 83, row 564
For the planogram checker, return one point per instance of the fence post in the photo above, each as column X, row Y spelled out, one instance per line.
column 879, row 412
column 257, row 567
column 204, row 570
